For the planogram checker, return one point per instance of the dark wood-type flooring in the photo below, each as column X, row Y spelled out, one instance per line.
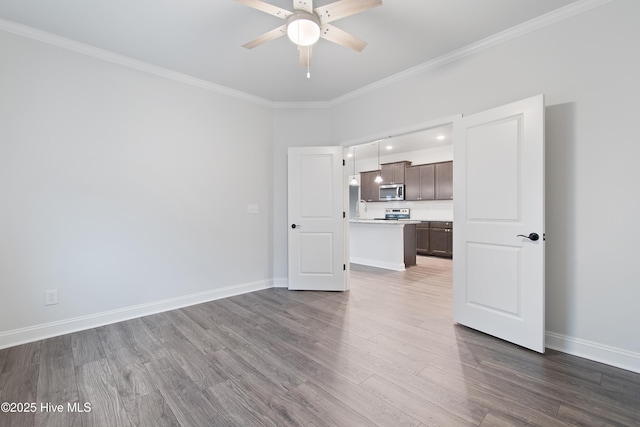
column 386, row 353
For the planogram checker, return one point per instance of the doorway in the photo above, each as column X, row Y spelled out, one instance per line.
column 415, row 160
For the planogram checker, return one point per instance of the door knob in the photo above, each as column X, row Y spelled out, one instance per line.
column 295, row 226
column 531, row 236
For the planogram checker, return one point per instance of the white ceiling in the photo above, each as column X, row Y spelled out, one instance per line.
column 203, row 38
column 413, row 141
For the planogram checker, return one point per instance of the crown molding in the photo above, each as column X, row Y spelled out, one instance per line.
column 542, row 21
column 535, row 24
column 106, row 55
column 301, row 105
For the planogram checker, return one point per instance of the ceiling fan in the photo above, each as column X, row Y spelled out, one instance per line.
column 305, row 25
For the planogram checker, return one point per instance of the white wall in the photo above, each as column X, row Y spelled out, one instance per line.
column 121, row 190
column 588, row 68
column 294, row 127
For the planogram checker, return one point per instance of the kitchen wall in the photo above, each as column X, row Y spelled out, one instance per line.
column 125, row 191
column 587, row 66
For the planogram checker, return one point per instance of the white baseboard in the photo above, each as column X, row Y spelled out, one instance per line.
column 281, row 282
column 380, row 264
column 61, row 327
column 613, row 356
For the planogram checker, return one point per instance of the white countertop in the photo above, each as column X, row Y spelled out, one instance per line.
column 394, row 222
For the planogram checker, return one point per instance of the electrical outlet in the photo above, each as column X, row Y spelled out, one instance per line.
column 51, row 297
column 253, row 209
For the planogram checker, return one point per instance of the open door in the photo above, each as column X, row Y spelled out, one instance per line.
column 318, row 251
column 498, row 269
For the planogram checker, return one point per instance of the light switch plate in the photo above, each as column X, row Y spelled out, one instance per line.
column 253, row 209
column 51, row 297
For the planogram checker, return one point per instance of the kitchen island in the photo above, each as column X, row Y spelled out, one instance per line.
column 389, row 244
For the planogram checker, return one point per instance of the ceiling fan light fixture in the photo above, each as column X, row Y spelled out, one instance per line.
column 303, row 28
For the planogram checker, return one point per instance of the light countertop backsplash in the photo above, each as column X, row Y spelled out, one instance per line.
column 432, row 210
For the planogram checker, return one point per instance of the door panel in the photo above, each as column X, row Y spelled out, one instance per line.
column 316, row 251
column 493, row 280
column 317, row 200
column 492, row 170
column 499, row 187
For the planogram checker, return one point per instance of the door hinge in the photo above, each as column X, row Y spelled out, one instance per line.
column 344, row 163
column 344, row 267
column 344, row 214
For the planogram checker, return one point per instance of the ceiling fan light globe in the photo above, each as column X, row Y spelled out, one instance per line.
column 303, row 29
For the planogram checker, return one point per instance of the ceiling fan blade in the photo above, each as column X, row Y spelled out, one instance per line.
column 304, row 55
column 341, row 37
column 306, row 5
column 266, row 37
column 266, row 7
column 343, row 8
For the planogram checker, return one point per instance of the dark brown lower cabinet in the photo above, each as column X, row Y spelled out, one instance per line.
column 422, row 238
column 409, row 244
column 435, row 238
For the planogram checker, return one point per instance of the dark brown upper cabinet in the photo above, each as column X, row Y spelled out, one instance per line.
column 369, row 188
column 393, row 173
column 420, row 182
column 444, row 181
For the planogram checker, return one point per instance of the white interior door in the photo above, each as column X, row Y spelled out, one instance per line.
column 499, row 198
column 318, row 251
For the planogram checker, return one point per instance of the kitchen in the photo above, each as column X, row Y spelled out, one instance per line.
column 400, row 199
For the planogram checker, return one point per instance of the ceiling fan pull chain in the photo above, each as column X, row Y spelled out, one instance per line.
column 309, row 62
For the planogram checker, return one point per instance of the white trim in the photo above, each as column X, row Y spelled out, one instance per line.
column 380, row 264
column 302, row 105
column 281, row 282
column 473, row 48
column 66, row 326
column 106, row 55
column 602, row 353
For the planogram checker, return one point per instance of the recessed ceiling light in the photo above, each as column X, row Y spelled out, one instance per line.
column 389, row 147
column 440, row 137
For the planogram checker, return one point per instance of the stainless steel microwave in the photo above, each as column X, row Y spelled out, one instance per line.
column 391, row 192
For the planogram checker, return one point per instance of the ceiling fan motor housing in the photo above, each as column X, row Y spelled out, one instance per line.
column 303, row 28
